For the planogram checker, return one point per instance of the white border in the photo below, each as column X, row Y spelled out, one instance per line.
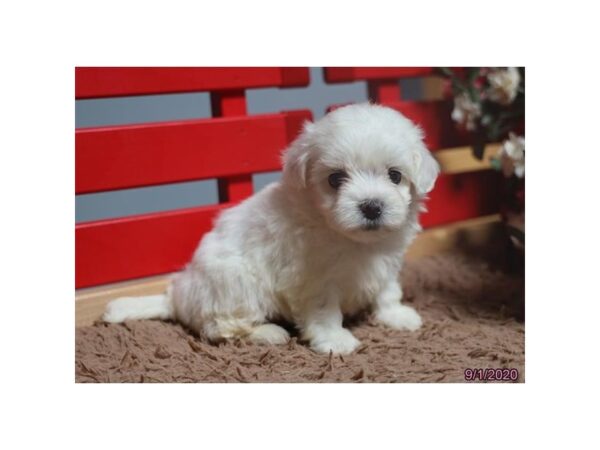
column 43, row 41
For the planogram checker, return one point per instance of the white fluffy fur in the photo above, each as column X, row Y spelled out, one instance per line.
column 299, row 249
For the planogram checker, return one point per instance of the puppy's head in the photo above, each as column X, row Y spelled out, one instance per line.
column 363, row 166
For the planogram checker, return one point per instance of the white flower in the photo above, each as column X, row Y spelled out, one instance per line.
column 466, row 111
column 512, row 155
column 504, row 84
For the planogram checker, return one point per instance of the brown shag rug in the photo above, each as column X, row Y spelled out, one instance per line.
column 473, row 315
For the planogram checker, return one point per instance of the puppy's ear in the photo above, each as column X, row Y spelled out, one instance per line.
column 295, row 158
column 426, row 169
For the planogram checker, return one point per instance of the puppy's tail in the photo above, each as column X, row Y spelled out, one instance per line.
column 138, row 308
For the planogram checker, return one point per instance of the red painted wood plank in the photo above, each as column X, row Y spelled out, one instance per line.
column 348, row 74
column 235, row 188
column 95, row 82
column 129, row 156
column 463, row 196
column 120, row 249
column 384, row 90
column 227, row 104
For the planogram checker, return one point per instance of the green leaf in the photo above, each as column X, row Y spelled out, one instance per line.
column 472, row 74
column 496, row 163
column 474, row 93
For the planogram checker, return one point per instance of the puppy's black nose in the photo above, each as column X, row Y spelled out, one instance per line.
column 371, row 209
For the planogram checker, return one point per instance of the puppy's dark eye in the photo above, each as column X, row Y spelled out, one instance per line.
column 337, row 178
column 395, row 176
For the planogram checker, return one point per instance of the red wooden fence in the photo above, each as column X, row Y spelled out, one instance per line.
column 230, row 147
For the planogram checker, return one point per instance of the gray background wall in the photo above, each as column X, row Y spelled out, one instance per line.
column 115, row 111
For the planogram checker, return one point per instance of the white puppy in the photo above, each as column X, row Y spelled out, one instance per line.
column 327, row 240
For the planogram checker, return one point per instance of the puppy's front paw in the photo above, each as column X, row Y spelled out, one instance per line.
column 399, row 317
column 339, row 341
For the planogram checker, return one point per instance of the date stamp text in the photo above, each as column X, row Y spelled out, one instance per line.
column 491, row 374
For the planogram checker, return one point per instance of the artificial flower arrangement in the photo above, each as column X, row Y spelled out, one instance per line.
column 489, row 104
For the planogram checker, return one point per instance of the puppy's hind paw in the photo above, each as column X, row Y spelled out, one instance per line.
column 340, row 342
column 115, row 311
column 269, row 333
column 400, row 317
